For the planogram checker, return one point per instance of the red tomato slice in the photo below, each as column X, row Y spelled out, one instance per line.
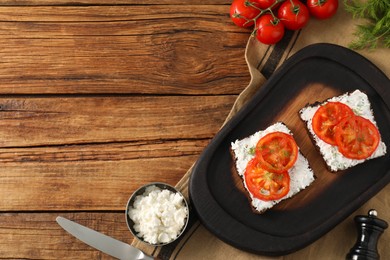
column 356, row 137
column 266, row 185
column 277, row 152
column 327, row 117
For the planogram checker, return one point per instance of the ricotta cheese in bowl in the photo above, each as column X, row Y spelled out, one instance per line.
column 157, row 214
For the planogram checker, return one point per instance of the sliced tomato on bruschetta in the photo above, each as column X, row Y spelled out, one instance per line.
column 277, row 152
column 327, row 117
column 356, row 137
column 266, row 185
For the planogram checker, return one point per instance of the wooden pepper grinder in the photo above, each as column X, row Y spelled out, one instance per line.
column 370, row 228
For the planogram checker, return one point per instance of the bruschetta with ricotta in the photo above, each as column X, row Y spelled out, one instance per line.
column 271, row 166
column 344, row 130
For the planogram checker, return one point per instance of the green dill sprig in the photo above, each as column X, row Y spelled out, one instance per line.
column 376, row 31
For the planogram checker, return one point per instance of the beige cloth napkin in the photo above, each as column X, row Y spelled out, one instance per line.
column 262, row 60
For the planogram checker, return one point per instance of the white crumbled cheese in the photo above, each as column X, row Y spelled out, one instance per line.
column 360, row 104
column 159, row 215
column 301, row 174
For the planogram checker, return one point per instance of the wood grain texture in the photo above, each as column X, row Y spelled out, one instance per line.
column 84, row 186
column 67, row 120
column 92, row 153
column 107, row 2
column 37, row 235
column 98, row 98
column 183, row 49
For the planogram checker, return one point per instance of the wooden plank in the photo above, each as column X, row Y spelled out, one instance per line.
column 117, row 49
column 90, row 177
column 128, row 141
column 108, row 2
column 119, row 13
column 66, row 120
column 37, row 235
column 104, row 152
column 100, row 148
column 83, row 184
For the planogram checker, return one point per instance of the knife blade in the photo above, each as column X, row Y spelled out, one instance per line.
column 104, row 243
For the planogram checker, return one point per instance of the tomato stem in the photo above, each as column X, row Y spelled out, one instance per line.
column 238, row 15
column 249, row 3
column 263, row 11
column 321, row 2
column 294, row 7
column 275, row 20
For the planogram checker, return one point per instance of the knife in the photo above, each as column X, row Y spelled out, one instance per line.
column 106, row 244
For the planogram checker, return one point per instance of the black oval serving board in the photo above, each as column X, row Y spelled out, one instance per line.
column 315, row 73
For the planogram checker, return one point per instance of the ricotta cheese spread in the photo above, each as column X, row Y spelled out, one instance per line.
column 159, row 215
column 301, row 174
column 360, row 104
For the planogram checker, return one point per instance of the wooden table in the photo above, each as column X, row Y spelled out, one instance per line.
column 98, row 98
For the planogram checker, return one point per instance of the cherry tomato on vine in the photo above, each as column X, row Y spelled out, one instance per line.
column 269, row 29
column 242, row 13
column 264, row 4
column 293, row 14
column 322, row 9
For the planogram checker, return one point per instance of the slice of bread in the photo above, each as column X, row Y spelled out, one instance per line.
column 301, row 175
column 335, row 161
